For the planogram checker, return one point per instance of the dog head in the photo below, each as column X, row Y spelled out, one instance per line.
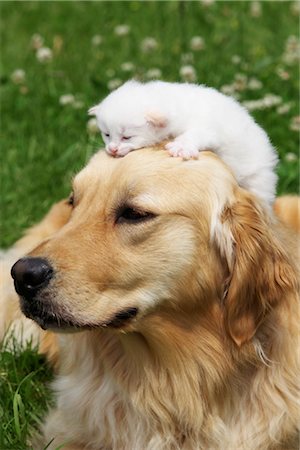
column 150, row 232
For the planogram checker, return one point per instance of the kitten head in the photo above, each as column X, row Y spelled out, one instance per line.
column 128, row 119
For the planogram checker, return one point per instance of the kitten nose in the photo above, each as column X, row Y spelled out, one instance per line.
column 112, row 148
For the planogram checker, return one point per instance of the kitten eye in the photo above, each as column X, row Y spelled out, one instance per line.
column 125, row 138
column 106, row 134
column 133, row 216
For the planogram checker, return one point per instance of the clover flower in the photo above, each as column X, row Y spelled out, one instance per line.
column 66, row 99
column 18, row 76
column 188, row 73
column 283, row 109
column 96, row 40
column 207, row 2
column 197, row 43
column 110, row 72
column 290, row 157
column 92, row 126
column 283, row 73
column 291, row 53
column 114, row 84
column 295, row 124
column 295, row 8
column 153, row 73
column 36, row 41
column 235, row 59
column 122, row 30
column 268, row 101
column 240, row 81
column 127, row 66
column 44, row 55
column 255, row 9
column 254, row 84
column 228, row 89
column 187, row 58
column 149, row 44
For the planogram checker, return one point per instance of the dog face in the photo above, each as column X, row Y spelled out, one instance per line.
column 148, row 232
column 137, row 232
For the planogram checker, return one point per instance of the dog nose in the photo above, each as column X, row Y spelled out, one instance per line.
column 30, row 275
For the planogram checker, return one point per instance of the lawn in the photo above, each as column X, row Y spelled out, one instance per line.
column 59, row 58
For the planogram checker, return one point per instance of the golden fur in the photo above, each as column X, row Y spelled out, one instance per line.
column 210, row 361
column 287, row 208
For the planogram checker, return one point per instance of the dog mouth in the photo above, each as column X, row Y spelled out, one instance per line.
column 50, row 319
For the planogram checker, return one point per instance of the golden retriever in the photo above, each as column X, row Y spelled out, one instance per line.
column 177, row 295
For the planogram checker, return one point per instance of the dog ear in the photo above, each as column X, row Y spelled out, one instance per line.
column 156, row 119
column 260, row 272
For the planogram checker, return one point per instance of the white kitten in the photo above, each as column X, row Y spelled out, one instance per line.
column 197, row 118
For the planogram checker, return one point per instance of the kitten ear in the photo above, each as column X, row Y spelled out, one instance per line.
column 93, row 110
column 156, row 119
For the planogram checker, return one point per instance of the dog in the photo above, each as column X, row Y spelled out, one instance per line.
column 174, row 295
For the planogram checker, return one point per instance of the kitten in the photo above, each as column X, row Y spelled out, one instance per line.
column 196, row 118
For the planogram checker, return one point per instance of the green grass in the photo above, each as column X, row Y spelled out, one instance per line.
column 24, row 393
column 45, row 143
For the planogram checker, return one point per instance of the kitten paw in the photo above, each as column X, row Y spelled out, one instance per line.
column 182, row 150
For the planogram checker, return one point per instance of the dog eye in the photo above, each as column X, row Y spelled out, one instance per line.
column 106, row 134
column 130, row 215
column 125, row 138
column 71, row 199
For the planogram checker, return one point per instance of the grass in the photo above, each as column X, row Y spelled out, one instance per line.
column 24, row 393
column 44, row 142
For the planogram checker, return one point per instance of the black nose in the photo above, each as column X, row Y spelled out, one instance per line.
column 30, row 275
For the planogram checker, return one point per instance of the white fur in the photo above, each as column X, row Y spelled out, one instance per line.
column 197, row 118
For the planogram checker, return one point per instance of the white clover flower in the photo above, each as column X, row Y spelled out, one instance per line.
column 44, row 55
column 197, row 43
column 97, row 40
column 290, row 157
column 149, row 44
column 295, row 8
column 283, row 109
column 187, row 58
column 282, row 73
column 122, row 30
column 188, row 73
column 228, row 89
column 254, row 84
column 18, row 76
column 127, row 66
column 66, row 99
column 291, row 53
column 110, row 73
column 235, row 59
column 153, row 73
column 295, row 124
column 271, row 100
column 36, row 41
column 207, row 2
column 78, row 104
column 114, row 84
column 240, row 82
column 92, row 126
column 253, row 105
column 255, row 9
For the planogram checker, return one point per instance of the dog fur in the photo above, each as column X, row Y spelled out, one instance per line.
column 210, row 361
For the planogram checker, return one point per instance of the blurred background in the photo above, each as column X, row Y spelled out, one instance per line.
column 59, row 58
